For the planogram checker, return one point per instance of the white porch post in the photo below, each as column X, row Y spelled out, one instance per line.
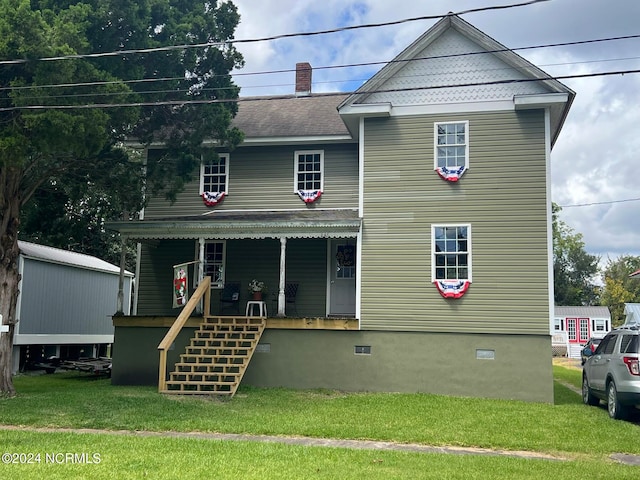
column 281, row 297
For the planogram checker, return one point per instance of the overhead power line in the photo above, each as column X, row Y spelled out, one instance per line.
column 351, row 65
column 601, row 203
column 266, row 39
column 278, row 97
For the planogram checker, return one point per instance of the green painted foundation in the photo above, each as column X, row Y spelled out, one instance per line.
column 475, row 365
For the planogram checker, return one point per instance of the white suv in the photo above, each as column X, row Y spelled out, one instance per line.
column 612, row 373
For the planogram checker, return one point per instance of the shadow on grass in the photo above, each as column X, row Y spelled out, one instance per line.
column 81, row 376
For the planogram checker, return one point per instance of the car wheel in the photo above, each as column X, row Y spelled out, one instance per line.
column 616, row 410
column 587, row 397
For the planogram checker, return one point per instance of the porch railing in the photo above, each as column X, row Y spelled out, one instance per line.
column 203, row 290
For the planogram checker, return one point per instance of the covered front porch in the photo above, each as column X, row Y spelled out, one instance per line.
column 315, row 250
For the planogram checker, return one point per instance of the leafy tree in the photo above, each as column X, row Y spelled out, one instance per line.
column 70, row 211
column 45, row 146
column 619, row 288
column 574, row 270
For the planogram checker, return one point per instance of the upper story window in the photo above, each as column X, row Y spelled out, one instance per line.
column 451, row 149
column 214, row 177
column 451, row 252
column 309, row 173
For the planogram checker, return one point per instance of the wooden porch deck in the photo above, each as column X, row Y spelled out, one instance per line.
column 301, row 323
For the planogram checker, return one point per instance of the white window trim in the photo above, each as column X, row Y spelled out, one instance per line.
column 295, row 167
column 433, row 247
column 226, row 156
column 199, row 272
column 466, row 142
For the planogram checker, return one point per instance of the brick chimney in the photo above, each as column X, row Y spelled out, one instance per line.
column 303, row 79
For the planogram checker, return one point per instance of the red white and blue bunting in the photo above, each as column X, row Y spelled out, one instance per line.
column 212, row 198
column 452, row 288
column 450, row 174
column 309, row 196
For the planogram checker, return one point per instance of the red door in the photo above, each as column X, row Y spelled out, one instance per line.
column 578, row 330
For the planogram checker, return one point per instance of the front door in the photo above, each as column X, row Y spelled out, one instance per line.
column 578, row 330
column 342, row 278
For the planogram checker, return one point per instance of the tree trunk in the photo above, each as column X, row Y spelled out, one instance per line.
column 9, row 274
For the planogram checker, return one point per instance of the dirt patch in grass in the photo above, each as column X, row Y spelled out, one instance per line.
column 572, row 363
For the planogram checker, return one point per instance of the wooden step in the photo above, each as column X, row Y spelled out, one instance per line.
column 204, row 377
column 207, row 367
column 217, row 356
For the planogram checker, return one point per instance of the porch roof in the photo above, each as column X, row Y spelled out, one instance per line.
column 341, row 223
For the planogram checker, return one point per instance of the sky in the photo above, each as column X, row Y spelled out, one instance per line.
column 595, row 163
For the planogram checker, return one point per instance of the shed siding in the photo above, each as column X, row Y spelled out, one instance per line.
column 502, row 196
column 60, row 299
column 262, row 178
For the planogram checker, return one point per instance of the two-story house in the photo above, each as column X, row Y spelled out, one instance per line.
column 414, row 216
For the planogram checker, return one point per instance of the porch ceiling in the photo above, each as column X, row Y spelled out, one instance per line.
column 255, row 224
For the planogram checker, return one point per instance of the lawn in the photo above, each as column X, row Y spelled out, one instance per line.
column 72, row 400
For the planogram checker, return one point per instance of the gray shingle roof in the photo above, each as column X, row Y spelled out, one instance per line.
column 582, row 312
column 290, row 116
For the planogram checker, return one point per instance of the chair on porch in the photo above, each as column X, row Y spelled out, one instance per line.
column 290, row 293
column 230, row 297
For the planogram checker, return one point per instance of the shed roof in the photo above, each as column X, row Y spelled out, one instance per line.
column 583, row 312
column 65, row 257
column 225, row 224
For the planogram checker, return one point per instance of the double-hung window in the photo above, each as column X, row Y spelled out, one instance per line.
column 214, row 173
column 451, row 146
column 451, row 252
column 309, row 167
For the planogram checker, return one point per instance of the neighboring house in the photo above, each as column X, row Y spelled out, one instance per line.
column 573, row 327
column 414, row 215
column 65, row 304
column 632, row 312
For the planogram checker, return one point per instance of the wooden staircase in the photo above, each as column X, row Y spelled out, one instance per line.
column 217, row 356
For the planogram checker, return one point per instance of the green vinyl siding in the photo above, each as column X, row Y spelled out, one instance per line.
column 155, row 281
column 263, row 178
column 502, row 196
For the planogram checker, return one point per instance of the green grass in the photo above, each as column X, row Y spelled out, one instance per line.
column 572, row 376
column 126, row 457
column 79, row 401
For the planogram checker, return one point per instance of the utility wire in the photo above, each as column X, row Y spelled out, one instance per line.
column 281, row 97
column 269, row 38
column 601, row 203
column 352, row 65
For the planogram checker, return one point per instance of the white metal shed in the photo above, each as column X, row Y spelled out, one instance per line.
column 66, row 299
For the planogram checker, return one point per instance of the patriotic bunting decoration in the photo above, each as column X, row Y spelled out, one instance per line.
column 212, row 198
column 450, row 174
column 452, row 288
column 309, row 196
